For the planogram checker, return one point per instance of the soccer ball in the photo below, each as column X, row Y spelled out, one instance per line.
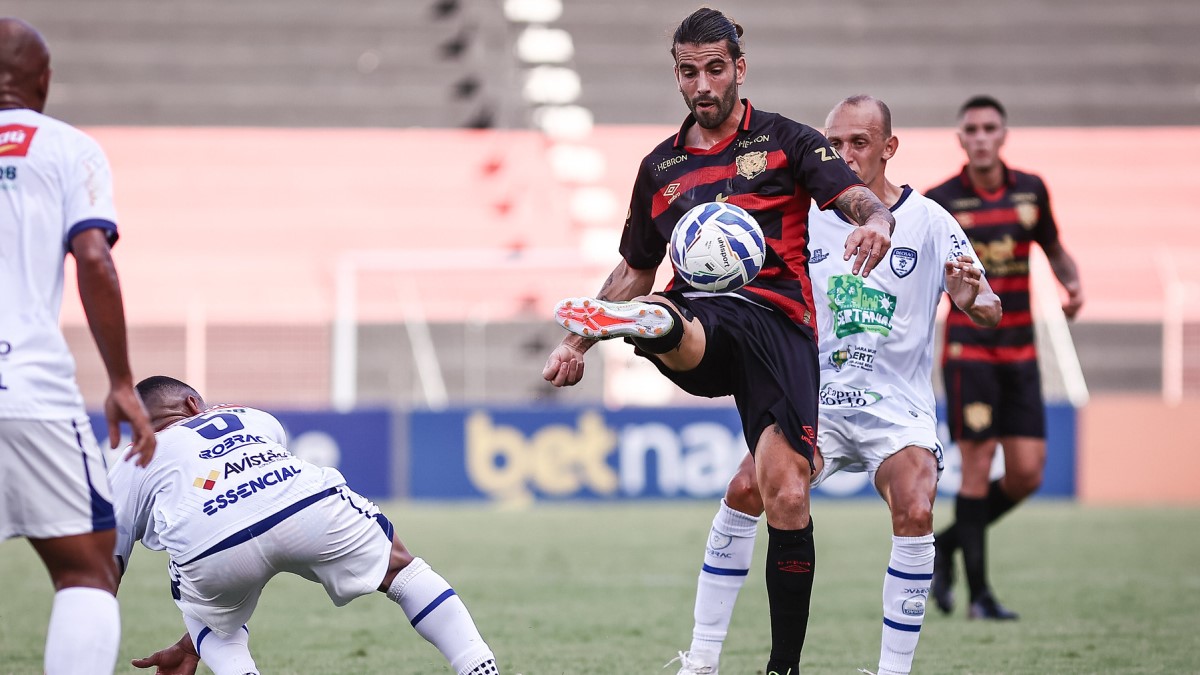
column 717, row 247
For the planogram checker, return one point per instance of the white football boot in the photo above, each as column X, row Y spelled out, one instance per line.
column 603, row 320
column 695, row 663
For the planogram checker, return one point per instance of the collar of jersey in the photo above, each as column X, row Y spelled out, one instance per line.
column 1010, row 180
column 743, row 128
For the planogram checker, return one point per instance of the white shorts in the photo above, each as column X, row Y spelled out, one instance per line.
column 53, row 479
column 341, row 541
column 859, row 441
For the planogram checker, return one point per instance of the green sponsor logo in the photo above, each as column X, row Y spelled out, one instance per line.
column 857, row 309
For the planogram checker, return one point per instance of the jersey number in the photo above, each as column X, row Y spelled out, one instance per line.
column 827, row 154
column 215, row 425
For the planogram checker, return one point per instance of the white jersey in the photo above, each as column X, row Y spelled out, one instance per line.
column 54, row 183
column 212, row 476
column 876, row 334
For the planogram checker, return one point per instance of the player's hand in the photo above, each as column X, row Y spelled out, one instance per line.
column 962, row 281
column 1074, row 302
column 124, row 405
column 564, row 367
column 174, row 660
column 867, row 244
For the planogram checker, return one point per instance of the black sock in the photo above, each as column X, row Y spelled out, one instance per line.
column 998, row 504
column 791, row 557
column 998, row 501
column 667, row 341
column 947, row 539
column 972, row 514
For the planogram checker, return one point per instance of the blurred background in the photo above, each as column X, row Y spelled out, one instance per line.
column 360, row 215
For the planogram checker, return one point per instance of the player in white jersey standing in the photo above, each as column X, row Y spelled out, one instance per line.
column 233, row 508
column 876, row 402
column 56, row 198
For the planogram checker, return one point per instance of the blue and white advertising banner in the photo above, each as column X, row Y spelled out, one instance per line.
column 359, row 444
column 566, row 453
column 523, row 454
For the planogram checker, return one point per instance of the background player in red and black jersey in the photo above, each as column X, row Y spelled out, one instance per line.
column 993, row 388
column 756, row 344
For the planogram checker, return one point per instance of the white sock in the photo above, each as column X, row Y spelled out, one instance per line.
column 84, row 633
column 223, row 654
column 440, row 617
column 726, row 564
column 905, row 591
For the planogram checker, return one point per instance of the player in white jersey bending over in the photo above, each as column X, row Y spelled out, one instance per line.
column 876, row 402
column 233, row 508
column 55, row 199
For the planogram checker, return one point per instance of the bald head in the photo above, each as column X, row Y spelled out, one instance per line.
column 24, row 66
column 882, row 116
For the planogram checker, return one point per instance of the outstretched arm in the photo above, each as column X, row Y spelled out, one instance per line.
column 971, row 292
column 100, row 293
column 1068, row 275
column 870, row 241
column 564, row 367
column 178, row 659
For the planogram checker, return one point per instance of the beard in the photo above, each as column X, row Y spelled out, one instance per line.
column 711, row 118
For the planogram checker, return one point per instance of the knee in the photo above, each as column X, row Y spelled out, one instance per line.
column 787, row 505
column 913, row 519
column 1022, row 483
column 742, row 494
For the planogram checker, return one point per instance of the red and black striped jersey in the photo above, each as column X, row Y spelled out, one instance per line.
column 773, row 167
column 1002, row 226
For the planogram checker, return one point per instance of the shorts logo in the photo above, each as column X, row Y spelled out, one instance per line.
column 207, row 483
column 904, row 261
column 818, row 256
column 977, row 416
column 751, row 164
column 15, row 140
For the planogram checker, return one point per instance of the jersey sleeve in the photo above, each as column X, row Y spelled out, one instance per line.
column 130, row 508
column 949, row 238
column 88, row 194
column 642, row 245
column 1045, row 232
column 819, row 168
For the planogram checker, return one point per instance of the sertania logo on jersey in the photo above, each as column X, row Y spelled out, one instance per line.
column 248, row 489
column 229, row 445
column 249, row 461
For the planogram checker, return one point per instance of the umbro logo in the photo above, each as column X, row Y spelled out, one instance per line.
column 795, row 566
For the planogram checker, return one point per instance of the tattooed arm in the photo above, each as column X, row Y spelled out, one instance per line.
column 870, row 241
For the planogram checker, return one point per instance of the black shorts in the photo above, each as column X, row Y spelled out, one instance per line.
column 992, row 400
column 759, row 356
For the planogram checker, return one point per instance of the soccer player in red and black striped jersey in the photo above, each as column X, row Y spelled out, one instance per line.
column 755, row 343
column 993, row 388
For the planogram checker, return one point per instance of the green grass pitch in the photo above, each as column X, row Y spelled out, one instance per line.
column 607, row 589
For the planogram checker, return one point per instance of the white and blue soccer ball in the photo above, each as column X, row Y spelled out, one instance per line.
column 717, row 247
